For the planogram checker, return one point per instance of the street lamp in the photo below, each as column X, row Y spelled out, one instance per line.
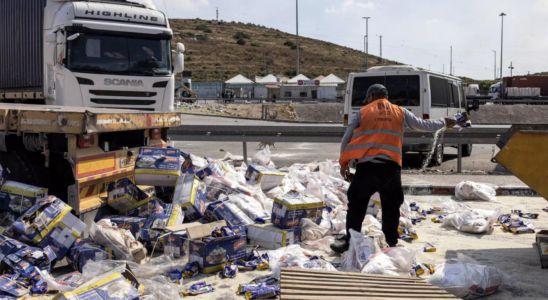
column 495, row 66
column 501, row 39
column 366, row 42
column 450, row 60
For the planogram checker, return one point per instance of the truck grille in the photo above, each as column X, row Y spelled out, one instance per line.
column 122, row 93
column 123, row 101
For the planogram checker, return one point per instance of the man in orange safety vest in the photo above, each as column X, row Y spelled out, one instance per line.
column 374, row 138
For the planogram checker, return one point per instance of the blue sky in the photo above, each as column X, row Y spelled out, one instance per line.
column 414, row 32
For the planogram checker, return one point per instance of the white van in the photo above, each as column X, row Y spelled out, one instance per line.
column 428, row 95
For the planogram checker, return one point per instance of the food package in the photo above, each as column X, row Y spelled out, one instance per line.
column 48, row 223
column 288, row 210
column 215, row 167
column 170, row 215
column 121, row 241
column 11, row 289
column 144, row 208
column 271, row 237
column 228, row 211
column 210, row 252
column 123, row 193
column 469, row 190
column 192, row 163
column 374, row 205
column 9, row 246
column 391, row 261
column 133, row 224
column 176, row 244
column 157, row 166
column 468, row 279
column 361, row 248
column 220, row 185
column 472, row 220
column 19, row 197
column 84, row 250
column 190, row 193
column 266, row 177
column 27, row 261
column 251, row 207
column 64, row 283
column 117, row 283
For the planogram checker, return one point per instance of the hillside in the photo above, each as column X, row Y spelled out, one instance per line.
column 211, row 45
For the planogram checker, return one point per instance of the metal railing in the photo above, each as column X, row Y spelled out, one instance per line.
column 323, row 134
column 514, row 101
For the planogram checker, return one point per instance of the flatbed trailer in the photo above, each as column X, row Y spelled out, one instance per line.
column 76, row 152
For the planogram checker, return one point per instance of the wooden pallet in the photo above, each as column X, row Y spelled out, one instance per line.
column 302, row 284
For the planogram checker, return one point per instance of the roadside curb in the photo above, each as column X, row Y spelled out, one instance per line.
column 425, row 189
column 269, row 120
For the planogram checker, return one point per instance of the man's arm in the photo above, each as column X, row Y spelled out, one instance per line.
column 354, row 123
column 414, row 123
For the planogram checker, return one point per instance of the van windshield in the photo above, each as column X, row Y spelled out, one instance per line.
column 119, row 55
column 403, row 90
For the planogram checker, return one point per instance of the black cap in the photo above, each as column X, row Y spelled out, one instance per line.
column 376, row 89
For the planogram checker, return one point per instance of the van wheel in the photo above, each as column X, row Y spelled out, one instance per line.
column 437, row 158
column 466, row 150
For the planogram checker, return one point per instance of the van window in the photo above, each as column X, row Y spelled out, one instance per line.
column 438, row 91
column 402, row 90
column 462, row 98
column 454, row 101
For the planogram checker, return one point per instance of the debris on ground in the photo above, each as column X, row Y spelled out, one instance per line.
column 469, row 190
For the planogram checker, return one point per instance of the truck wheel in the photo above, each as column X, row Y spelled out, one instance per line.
column 437, row 158
column 466, row 150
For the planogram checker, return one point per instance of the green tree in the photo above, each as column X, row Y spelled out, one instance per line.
column 240, row 42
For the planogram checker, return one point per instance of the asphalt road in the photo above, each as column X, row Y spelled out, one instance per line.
column 287, row 154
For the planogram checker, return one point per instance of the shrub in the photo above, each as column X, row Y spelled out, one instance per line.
column 289, row 43
column 203, row 28
column 202, row 37
column 290, row 73
column 241, row 35
column 295, row 47
column 254, row 45
column 240, row 42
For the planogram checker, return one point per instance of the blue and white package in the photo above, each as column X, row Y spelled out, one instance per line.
column 144, row 208
column 157, row 166
column 190, row 193
column 132, row 224
column 288, row 210
column 123, row 193
column 228, row 211
column 192, row 163
column 266, row 177
column 271, row 237
column 216, row 167
column 85, row 250
column 9, row 246
column 19, row 197
column 170, row 215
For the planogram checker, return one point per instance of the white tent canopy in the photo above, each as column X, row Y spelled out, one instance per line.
column 239, row 79
column 297, row 78
column 269, row 79
column 332, row 79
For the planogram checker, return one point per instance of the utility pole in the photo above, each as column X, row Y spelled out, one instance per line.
column 217, row 14
column 501, row 39
column 443, row 72
column 297, row 10
column 380, row 37
column 495, row 66
column 366, row 42
column 451, row 60
column 511, row 69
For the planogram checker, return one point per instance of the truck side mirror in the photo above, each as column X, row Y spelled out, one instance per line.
column 49, row 51
column 179, row 66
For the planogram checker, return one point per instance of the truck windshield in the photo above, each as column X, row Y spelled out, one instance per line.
column 119, row 55
column 403, row 90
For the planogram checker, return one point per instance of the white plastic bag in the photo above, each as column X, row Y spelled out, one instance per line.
column 338, row 219
column 468, row 279
column 312, row 231
column 469, row 190
column 324, row 194
column 262, row 157
column 472, row 220
column 323, row 244
column 391, row 261
column 448, row 206
column 286, row 257
column 62, row 283
column 121, row 241
column 361, row 248
column 372, row 227
column 251, row 207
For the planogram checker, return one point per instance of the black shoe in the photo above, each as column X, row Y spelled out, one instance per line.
column 340, row 248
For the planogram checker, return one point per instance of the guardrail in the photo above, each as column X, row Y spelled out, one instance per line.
column 258, row 100
column 513, row 101
column 322, row 134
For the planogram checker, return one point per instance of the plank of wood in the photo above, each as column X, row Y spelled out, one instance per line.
column 335, row 275
column 354, row 281
column 337, row 294
column 353, row 274
column 319, row 285
column 294, row 297
column 390, row 290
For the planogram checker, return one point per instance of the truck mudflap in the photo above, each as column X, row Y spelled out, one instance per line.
column 523, row 152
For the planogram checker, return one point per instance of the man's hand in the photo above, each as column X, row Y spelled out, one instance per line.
column 449, row 122
column 345, row 172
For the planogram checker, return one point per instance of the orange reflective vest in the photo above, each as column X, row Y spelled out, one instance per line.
column 380, row 133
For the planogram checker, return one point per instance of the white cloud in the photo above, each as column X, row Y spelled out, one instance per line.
column 181, row 6
column 349, row 5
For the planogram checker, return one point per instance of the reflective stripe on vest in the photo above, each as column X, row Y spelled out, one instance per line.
column 373, row 145
column 373, row 131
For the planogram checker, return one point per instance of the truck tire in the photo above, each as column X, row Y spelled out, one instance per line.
column 437, row 158
column 28, row 167
column 466, row 150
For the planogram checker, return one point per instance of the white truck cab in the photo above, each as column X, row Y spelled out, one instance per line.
column 427, row 94
column 494, row 91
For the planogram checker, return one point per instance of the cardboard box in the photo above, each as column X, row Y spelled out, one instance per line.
column 10, row 288
column 266, row 177
column 133, row 224
column 190, row 193
column 176, row 244
column 271, row 237
column 228, row 211
column 19, row 197
column 48, row 222
column 115, row 284
column 9, row 246
column 123, row 193
column 374, row 205
column 289, row 209
column 211, row 253
column 84, row 250
column 144, row 208
column 192, row 163
column 6, row 219
column 26, row 262
column 164, row 193
column 170, row 215
column 219, row 185
column 157, row 166
column 216, row 167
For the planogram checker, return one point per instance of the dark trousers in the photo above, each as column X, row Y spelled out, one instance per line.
column 370, row 178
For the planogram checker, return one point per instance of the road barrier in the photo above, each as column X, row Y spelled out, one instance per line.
column 514, row 101
column 323, row 134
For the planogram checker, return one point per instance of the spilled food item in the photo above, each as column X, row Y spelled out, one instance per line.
column 198, row 289
column 230, row 270
column 519, row 227
column 249, row 287
column 191, row 270
column 266, row 291
column 429, row 248
column 268, row 279
column 407, row 233
column 175, row 276
column 525, row 215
